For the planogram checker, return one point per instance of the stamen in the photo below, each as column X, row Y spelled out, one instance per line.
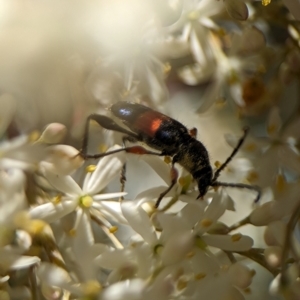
column 90, row 168
column 113, row 229
column 56, row 200
column 236, row 237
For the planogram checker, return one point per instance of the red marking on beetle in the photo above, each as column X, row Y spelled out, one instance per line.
column 155, row 125
column 149, row 122
column 137, row 150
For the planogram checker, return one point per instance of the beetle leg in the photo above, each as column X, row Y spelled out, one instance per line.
column 235, row 150
column 123, row 171
column 106, row 123
column 174, row 177
column 240, row 186
column 133, row 149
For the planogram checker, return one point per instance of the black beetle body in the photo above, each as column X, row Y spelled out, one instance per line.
column 170, row 137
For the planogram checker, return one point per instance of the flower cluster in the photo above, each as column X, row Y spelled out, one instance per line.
column 79, row 217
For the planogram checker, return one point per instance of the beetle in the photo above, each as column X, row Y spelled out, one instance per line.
column 170, row 138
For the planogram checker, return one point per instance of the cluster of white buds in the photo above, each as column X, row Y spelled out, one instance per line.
column 78, row 224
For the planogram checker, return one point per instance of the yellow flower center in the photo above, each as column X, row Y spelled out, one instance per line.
column 86, row 201
column 193, row 15
column 158, row 249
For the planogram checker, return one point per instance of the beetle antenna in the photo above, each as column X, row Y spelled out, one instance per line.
column 235, row 150
column 240, row 186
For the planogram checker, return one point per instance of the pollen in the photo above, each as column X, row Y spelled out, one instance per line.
column 253, row 90
column 86, row 201
column 35, row 227
column 72, row 232
column 252, row 176
column 217, row 164
column 34, row 136
column 206, row 222
column 90, row 168
column 182, row 181
column 220, row 103
column 113, row 229
column 91, row 288
column 56, row 200
column 102, row 148
column 280, row 183
column 182, row 284
column 167, row 68
column 191, row 254
column 251, row 147
column 265, row 2
column 200, row 276
column 236, row 237
column 272, row 128
column 167, row 159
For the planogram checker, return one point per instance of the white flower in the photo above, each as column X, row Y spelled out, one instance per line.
column 274, row 153
column 285, row 201
column 13, row 242
column 72, row 197
column 20, row 152
column 194, row 27
column 129, row 52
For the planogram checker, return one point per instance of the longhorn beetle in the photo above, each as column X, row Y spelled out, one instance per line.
column 170, row 138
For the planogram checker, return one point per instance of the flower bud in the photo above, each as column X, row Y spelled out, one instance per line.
column 53, row 133
column 273, row 256
column 62, row 159
column 177, row 247
column 241, row 276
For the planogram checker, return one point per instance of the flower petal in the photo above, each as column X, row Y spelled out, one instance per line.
column 128, row 289
column 114, row 259
column 53, row 275
column 107, row 169
column 111, row 210
column 237, row 9
column 139, row 221
column 64, row 184
column 108, row 196
column 177, row 247
column 8, row 109
column 51, row 212
column 274, row 122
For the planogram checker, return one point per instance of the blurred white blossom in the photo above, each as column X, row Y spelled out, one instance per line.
column 65, row 230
